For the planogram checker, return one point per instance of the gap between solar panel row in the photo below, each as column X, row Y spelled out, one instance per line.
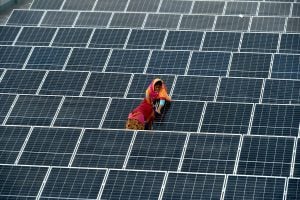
column 189, row 88
column 186, row 116
column 81, row 183
column 163, row 151
column 238, row 23
column 210, row 63
column 283, row 8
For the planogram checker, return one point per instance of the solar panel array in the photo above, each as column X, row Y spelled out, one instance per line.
column 72, row 70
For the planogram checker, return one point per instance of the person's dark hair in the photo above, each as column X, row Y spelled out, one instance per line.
column 158, row 83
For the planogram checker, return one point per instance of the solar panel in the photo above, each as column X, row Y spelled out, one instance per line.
column 297, row 163
column 21, row 181
column 240, row 90
column 159, row 151
column 208, row 7
column 107, row 85
column 162, row 21
column 72, row 37
column 45, row 4
column 103, row 148
column 259, row 42
column 169, row 6
column 6, row 101
column 25, row 17
column 143, row 5
column 232, row 23
column 11, row 141
column 21, row 81
column 195, row 88
column 193, row 186
column 47, row 58
column 268, row 24
column 122, row 184
column 296, row 9
column 241, row 8
column 13, row 56
column 226, row 118
column 93, row 19
column 50, row 146
column 81, row 112
column 109, row 38
column 71, row 85
column 293, row 25
column 221, row 41
column 266, row 156
column 197, row 22
column 127, row 20
column 281, row 91
column 293, row 189
column 78, row 5
column 211, row 153
column 289, row 43
column 286, row 66
column 108, row 5
column 274, row 9
column 249, row 187
column 276, row 120
column 168, row 62
column 146, row 39
column 78, row 183
column 34, row 110
column 36, row 36
column 8, row 34
column 183, row 40
column 59, row 19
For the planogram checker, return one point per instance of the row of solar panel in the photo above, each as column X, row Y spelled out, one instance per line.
column 27, row 182
column 150, row 39
column 197, row 88
column 263, row 65
column 163, row 151
column 154, row 21
column 191, row 116
column 276, row 8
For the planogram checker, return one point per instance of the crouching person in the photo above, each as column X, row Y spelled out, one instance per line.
column 141, row 118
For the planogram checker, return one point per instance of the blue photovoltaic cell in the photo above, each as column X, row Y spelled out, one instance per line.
column 59, row 19
column 109, row 5
column 232, row 23
column 297, row 160
column 162, row 21
column 21, row 81
column 50, row 146
column 143, row 5
column 209, row 63
column 226, row 118
column 6, row 101
column 107, row 85
column 282, row 91
column 72, row 37
column 8, row 34
column 211, row 153
column 250, row 65
column 293, row 191
column 103, row 148
column 195, row 88
column 197, row 22
column 290, row 43
column 282, row 120
column 133, row 185
column 260, row 42
column 170, row 6
column 221, row 41
column 93, row 19
column 251, row 187
column 25, row 17
column 36, row 36
column 21, row 182
column 140, row 83
column 46, row 4
column 129, row 61
column 293, row 25
column 13, row 57
column 193, row 186
column 286, row 66
column 78, row 5
column 81, row 112
column 183, row 40
column 168, row 62
column 266, row 156
column 109, row 38
column 146, row 39
column 34, row 110
column 63, row 83
column 240, row 90
column 180, row 116
column 48, row 58
column 127, row 20
column 87, row 59
column 156, row 151
column 72, row 183
column 11, row 141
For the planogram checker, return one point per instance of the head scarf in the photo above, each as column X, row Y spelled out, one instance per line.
column 154, row 95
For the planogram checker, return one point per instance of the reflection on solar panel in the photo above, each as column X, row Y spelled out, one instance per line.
column 71, row 71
